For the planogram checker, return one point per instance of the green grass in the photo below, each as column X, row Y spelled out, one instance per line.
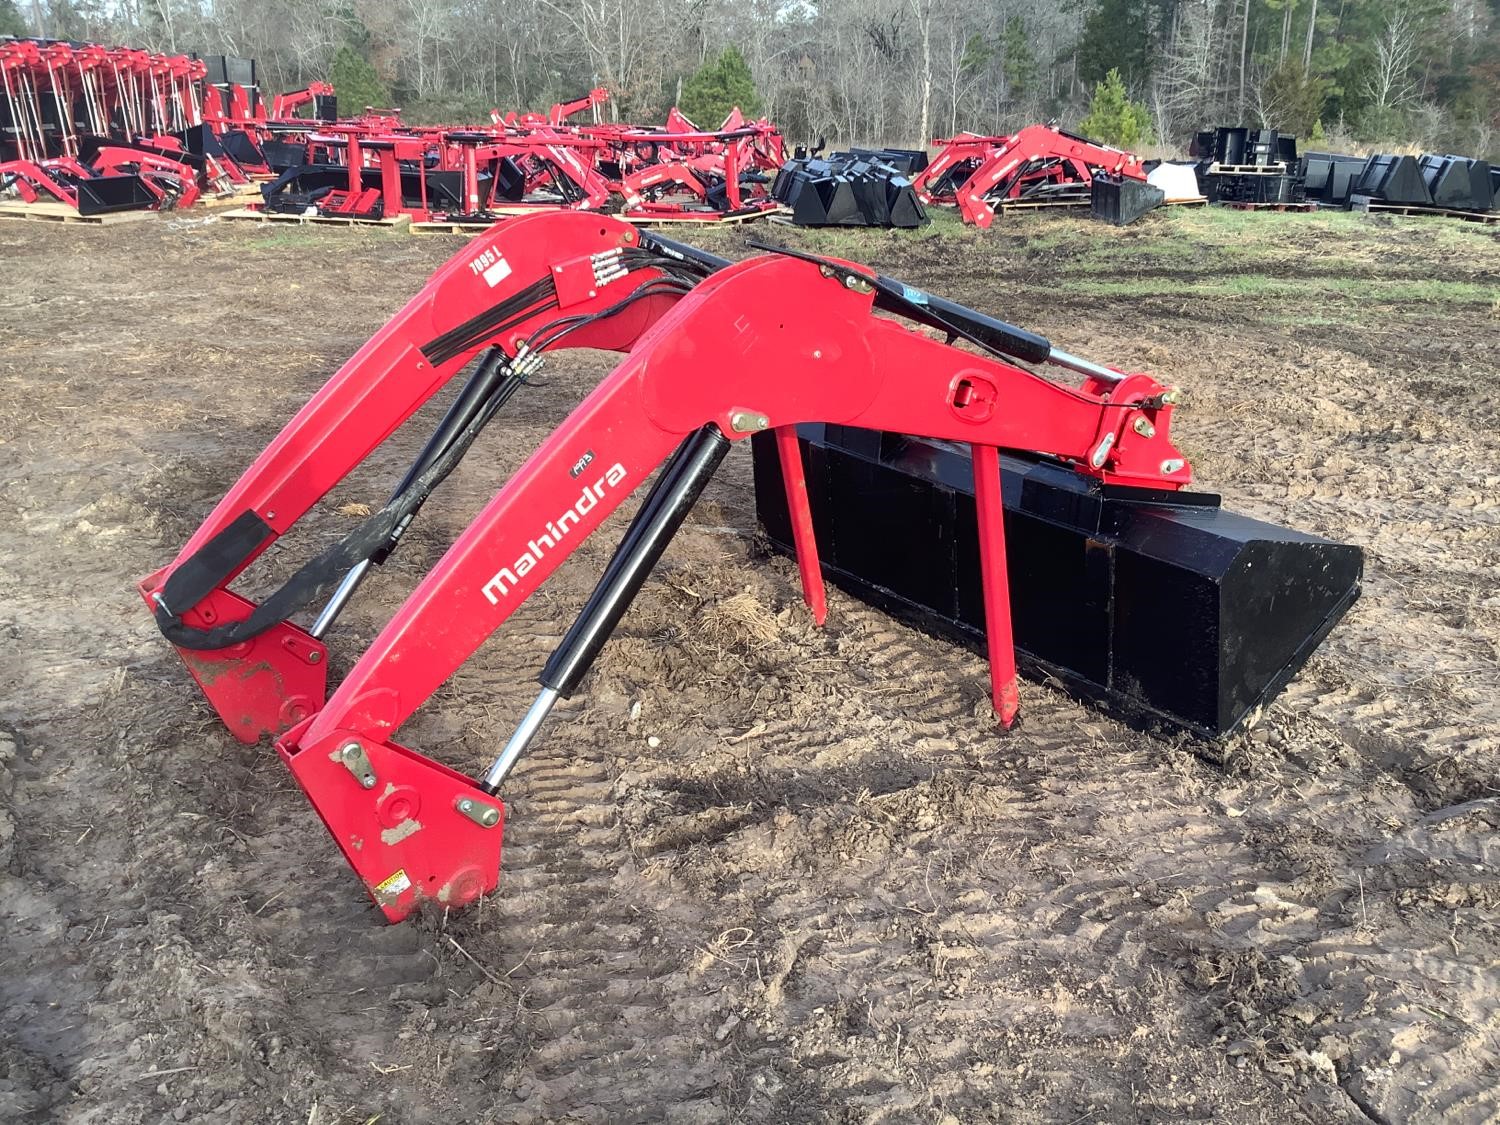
column 296, row 236
column 1380, row 290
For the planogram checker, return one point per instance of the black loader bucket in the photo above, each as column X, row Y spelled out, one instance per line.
column 1162, row 607
column 1121, row 201
column 1457, row 182
column 1393, row 179
column 850, row 189
column 100, row 195
column 1330, row 177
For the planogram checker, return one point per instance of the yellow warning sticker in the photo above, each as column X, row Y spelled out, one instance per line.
column 393, row 887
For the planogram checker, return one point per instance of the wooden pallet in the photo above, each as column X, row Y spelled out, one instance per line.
column 1194, row 201
column 442, row 226
column 62, row 213
column 1247, row 169
column 1372, row 206
column 1005, row 206
column 1241, row 205
column 250, row 215
column 238, row 195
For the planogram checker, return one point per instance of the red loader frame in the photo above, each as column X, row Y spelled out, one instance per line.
column 788, row 339
column 1008, row 168
column 170, row 183
column 650, row 190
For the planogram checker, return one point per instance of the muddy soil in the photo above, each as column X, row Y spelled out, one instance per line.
column 759, row 871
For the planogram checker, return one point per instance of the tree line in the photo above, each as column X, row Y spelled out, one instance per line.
column 1417, row 72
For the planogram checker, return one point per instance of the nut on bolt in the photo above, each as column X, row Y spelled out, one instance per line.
column 486, row 816
column 748, row 421
column 1144, row 427
column 352, row 755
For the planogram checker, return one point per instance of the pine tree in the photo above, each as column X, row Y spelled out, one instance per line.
column 717, row 87
column 1294, row 98
column 355, row 82
column 1113, row 118
column 1116, row 36
column 1020, row 63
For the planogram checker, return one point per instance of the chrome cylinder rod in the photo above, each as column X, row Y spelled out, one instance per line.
column 525, row 732
column 340, row 598
column 1083, row 366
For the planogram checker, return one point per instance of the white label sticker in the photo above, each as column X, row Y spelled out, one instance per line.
column 497, row 273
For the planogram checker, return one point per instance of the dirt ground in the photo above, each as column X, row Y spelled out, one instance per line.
column 758, row 871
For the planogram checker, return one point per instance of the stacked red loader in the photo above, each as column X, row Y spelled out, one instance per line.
column 99, row 129
column 375, row 166
column 980, row 174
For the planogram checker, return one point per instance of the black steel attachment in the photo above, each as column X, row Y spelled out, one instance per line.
column 1159, row 605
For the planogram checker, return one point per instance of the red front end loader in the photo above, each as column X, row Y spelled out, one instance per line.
column 713, row 353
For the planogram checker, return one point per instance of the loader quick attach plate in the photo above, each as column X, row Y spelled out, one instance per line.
column 1160, row 606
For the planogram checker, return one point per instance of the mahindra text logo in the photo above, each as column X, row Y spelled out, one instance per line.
column 506, row 577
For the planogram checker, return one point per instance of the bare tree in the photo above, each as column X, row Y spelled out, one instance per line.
column 922, row 11
column 1390, row 84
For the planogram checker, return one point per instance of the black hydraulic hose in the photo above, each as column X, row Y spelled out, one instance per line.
column 905, row 300
column 191, row 582
column 492, row 370
column 535, row 297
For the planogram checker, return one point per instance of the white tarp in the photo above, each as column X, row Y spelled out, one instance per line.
column 1179, row 181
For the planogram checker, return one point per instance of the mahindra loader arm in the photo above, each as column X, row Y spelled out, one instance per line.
column 764, row 344
column 495, row 290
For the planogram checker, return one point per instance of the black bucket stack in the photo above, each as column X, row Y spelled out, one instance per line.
column 1160, row 606
column 862, row 188
column 1457, row 182
column 1253, row 166
column 1445, row 181
column 1331, row 177
column 1392, row 179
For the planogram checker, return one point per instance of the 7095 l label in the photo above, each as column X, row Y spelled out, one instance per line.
column 492, row 266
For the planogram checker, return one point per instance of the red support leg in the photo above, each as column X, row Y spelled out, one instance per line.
column 996, row 582
column 802, row 526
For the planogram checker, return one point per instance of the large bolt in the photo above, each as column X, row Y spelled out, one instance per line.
column 748, row 421
column 1144, row 427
